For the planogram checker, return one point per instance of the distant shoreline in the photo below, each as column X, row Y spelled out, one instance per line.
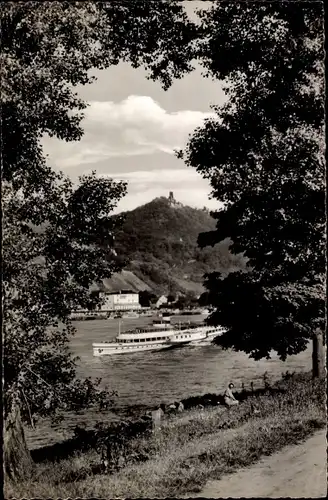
column 115, row 315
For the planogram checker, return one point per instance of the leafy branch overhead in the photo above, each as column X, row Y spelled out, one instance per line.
column 58, row 236
column 263, row 155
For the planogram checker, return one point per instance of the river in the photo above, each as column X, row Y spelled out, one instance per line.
column 149, row 378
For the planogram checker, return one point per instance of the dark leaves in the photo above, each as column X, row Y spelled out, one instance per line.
column 263, row 156
column 58, row 239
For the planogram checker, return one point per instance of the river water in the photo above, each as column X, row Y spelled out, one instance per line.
column 149, row 378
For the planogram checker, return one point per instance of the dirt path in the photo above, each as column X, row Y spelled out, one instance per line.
column 298, row 471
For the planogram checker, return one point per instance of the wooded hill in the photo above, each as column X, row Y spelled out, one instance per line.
column 158, row 241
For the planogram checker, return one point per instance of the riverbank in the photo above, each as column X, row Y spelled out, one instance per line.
column 147, row 379
column 190, row 449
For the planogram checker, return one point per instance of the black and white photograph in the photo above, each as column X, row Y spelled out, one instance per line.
column 163, row 197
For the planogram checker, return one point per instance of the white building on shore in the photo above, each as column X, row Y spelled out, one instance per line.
column 124, row 300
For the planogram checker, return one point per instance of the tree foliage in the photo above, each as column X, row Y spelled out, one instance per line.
column 263, row 155
column 50, row 47
column 57, row 235
column 47, row 274
column 146, row 298
column 186, row 301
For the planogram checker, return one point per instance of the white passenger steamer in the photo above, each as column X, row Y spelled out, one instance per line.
column 151, row 338
column 161, row 335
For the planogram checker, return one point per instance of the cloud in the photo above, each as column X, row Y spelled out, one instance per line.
column 137, row 125
column 143, row 186
column 134, row 140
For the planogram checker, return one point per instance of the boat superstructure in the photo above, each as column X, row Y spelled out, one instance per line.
column 196, row 335
column 163, row 321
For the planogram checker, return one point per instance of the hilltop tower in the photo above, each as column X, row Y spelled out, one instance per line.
column 173, row 202
column 171, row 198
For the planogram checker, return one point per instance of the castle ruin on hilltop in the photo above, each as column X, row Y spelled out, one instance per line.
column 172, row 201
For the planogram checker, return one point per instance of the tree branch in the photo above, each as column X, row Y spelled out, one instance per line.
column 29, row 410
column 39, row 377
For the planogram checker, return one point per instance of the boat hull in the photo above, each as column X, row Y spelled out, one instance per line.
column 207, row 340
column 113, row 349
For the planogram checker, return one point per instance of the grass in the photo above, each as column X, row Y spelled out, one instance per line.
column 189, row 449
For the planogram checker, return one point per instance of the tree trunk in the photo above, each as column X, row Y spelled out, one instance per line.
column 318, row 355
column 17, row 458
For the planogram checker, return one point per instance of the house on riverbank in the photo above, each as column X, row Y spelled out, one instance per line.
column 112, row 302
column 122, row 300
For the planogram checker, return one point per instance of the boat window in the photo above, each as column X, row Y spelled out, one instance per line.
column 142, row 340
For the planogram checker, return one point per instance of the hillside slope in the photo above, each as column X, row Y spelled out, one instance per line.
column 159, row 241
column 125, row 280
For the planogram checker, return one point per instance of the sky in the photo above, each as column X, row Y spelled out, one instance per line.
column 131, row 129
